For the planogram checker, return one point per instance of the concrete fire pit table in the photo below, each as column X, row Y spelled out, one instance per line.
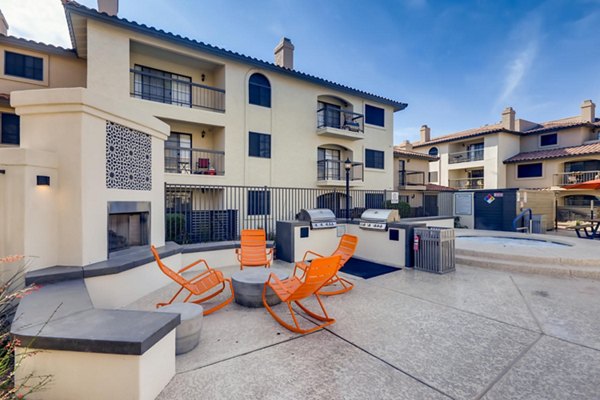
column 248, row 286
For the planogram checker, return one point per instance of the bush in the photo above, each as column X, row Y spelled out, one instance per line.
column 175, row 228
column 403, row 208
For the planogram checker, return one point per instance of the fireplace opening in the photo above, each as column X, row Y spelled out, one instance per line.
column 128, row 225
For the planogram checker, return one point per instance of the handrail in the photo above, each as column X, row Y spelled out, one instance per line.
column 521, row 216
column 151, row 75
column 340, row 110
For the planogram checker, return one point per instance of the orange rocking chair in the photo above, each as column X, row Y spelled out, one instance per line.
column 345, row 249
column 294, row 289
column 253, row 249
column 198, row 285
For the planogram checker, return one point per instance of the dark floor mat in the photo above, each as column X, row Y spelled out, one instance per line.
column 366, row 269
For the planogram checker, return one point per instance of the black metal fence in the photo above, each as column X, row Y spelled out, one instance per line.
column 209, row 213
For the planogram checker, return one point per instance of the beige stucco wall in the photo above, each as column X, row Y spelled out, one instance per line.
column 566, row 138
column 291, row 121
column 550, row 167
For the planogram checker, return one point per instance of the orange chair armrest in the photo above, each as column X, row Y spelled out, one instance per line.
column 201, row 275
column 277, row 280
column 310, row 252
column 193, row 265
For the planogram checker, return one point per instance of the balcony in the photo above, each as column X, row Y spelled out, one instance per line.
column 411, row 180
column 571, row 178
column 176, row 91
column 333, row 173
column 180, row 160
column 466, row 183
column 335, row 122
column 465, row 156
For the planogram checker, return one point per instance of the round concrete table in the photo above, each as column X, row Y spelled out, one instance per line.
column 187, row 334
column 248, row 286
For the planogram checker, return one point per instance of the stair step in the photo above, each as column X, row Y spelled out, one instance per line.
column 574, row 262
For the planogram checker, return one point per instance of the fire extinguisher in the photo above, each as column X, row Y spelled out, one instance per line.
column 416, row 243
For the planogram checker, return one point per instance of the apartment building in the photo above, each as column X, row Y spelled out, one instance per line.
column 132, row 112
column 517, row 153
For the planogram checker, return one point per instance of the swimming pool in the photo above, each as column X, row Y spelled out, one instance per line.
column 509, row 241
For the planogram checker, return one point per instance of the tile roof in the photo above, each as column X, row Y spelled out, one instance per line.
column 400, row 152
column 32, row 44
column 563, row 123
column 586, row 149
column 73, row 6
column 438, row 188
column 484, row 130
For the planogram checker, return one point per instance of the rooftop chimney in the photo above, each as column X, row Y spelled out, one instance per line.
column 406, row 145
column 111, row 7
column 508, row 119
column 284, row 54
column 588, row 111
column 3, row 25
column 425, row 133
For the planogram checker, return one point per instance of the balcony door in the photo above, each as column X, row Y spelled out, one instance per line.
column 178, row 152
column 402, row 176
column 475, row 151
column 161, row 86
column 330, row 115
column 329, row 164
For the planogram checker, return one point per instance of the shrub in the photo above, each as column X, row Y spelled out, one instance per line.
column 175, row 228
column 402, row 207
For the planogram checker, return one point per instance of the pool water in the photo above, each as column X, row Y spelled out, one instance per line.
column 508, row 241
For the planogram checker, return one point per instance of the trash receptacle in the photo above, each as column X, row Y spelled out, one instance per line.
column 538, row 223
column 434, row 249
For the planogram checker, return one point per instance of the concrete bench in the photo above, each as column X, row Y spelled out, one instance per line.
column 248, row 286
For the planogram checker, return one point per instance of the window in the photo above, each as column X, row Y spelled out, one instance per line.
column 329, row 164
column 329, row 115
column 23, row 66
column 374, row 115
column 374, row 200
column 178, row 152
column 260, row 145
column 374, row 159
column 404, row 199
column 582, row 166
column 259, row 90
column 475, row 151
column 581, row 200
column 433, row 151
column 549, row 140
column 161, row 86
column 433, row 176
column 10, row 129
column 529, row 170
column 259, row 202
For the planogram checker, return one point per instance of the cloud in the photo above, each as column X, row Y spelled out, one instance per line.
column 39, row 20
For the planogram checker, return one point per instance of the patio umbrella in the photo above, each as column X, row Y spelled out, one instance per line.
column 594, row 184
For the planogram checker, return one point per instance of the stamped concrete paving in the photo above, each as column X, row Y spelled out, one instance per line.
column 472, row 334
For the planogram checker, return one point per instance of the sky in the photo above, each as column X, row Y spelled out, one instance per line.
column 457, row 64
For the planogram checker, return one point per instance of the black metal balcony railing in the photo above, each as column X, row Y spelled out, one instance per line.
column 341, row 119
column 466, row 183
column 571, row 178
column 183, row 93
column 411, row 178
column 465, row 156
column 181, row 160
column 334, row 170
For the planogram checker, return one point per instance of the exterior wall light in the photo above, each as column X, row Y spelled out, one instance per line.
column 43, row 180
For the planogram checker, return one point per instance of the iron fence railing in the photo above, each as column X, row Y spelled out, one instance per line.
column 335, row 170
column 180, row 92
column 411, row 178
column 465, row 156
column 341, row 119
column 209, row 213
column 182, row 160
column 571, row 178
column 466, row 183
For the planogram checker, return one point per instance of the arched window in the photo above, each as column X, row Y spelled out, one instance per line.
column 259, row 90
column 433, row 151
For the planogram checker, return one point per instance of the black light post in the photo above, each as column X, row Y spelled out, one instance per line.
column 347, row 167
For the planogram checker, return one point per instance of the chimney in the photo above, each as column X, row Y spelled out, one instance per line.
column 111, row 7
column 588, row 111
column 284, row 54
column 508, row 119
column 406, row 145
column 425, row 134
column 3, row 25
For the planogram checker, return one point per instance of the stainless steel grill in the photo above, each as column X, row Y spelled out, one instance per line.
column 319, row 218
column 377, row 219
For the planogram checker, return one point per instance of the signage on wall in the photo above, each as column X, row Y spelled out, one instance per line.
column 463, row 203
column 489, row 198
column 499, row 194
column 395, row 198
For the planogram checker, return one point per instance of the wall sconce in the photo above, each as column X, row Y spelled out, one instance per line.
column 2, row 171
column 203, row 134
column 43, row 180
column 203, row 77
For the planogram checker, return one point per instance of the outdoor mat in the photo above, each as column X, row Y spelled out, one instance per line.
column 366, row 269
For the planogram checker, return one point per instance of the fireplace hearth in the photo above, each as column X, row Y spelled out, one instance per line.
column 128, row 224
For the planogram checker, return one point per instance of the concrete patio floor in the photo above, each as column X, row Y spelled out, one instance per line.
column 475, row 333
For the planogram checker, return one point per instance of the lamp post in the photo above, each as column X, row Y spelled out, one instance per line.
column 347, row 167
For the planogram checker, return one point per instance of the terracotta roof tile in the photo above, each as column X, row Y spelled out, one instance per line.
column 558, row 124
column 586, row 149
column 484, row 130
column 400, row 152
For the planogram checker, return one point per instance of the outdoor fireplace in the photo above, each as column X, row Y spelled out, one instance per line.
column 128, row 224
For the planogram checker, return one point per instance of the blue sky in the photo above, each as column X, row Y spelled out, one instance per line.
column 456, row 63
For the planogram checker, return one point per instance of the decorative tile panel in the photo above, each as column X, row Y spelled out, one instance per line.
column 128, row 158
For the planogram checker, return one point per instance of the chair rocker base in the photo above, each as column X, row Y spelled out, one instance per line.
column 296, row 327
column 203, row 299
column 346, row 286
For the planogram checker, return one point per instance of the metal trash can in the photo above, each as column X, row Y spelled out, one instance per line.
column 434, row 249
column 538, row 223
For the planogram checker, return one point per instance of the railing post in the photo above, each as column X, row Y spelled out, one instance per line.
column 265, row 201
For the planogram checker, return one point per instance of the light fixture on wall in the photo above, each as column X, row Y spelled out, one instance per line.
column 203, row 133
column 203, row 77
column 43, row 180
